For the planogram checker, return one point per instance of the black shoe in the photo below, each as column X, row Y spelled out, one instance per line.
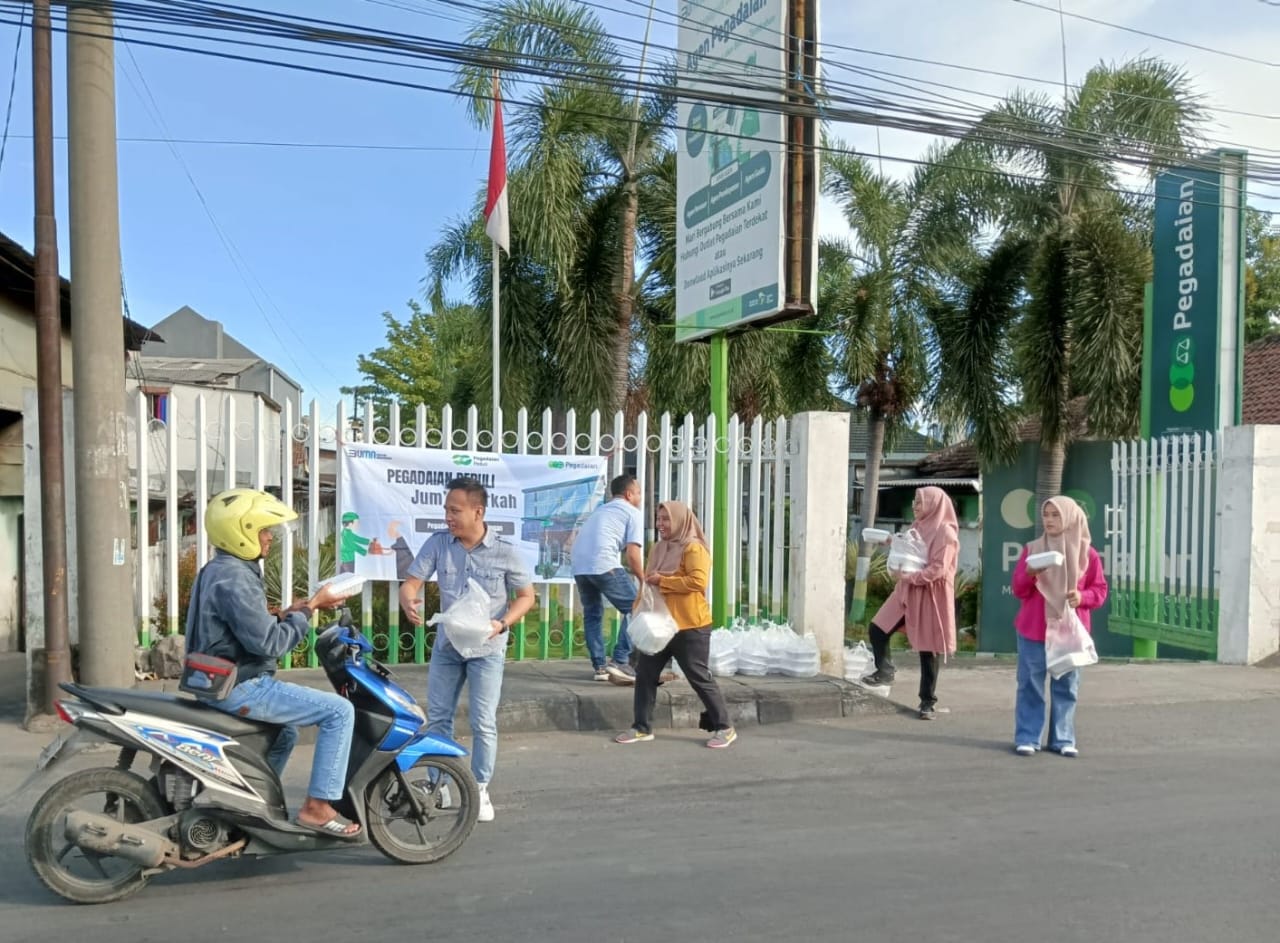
column 927, row 712
column 878, row 678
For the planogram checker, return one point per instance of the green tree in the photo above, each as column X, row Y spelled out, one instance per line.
column 428, row 359
column 1057, row 183
column 1261, row 276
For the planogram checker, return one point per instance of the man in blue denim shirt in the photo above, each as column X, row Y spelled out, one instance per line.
column 228, row 618
column 469, row 550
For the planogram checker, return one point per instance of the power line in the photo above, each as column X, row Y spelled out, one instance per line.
column 1226, row 53
column 13, row 85
column 237, row 259
column 933, row 123
column 455, row 54
column 299, row 145
column 954, row 130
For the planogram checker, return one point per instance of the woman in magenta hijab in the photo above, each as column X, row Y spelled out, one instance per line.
column 923, row 603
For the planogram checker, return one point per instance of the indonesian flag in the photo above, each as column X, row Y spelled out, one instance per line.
column 497, row 224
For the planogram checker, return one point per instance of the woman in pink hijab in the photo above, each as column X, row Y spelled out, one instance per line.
column 1078, row 583
column 924, row 602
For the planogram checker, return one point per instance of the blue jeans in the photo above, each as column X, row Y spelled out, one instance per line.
column 281, row 702
column 1029, row 708
column 483, row 676
column 617, row 587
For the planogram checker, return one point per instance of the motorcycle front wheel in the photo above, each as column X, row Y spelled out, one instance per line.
column 79, row 875
column 425, row 813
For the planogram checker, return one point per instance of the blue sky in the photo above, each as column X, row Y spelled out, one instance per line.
column 316, row 243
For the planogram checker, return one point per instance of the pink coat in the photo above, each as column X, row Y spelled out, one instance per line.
column 927, row 599
column 1030, row 619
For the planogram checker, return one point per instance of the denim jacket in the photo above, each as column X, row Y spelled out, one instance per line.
column 228, row 618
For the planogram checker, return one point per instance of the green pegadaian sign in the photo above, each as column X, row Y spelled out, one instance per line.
column 1194, row 324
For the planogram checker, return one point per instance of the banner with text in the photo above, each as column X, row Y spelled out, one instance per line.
column 730, row 165
column 392, row 500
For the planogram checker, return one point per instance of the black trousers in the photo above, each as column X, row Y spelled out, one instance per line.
column 930, row 663
column 691, row 648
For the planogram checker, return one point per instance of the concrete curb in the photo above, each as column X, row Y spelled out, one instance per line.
column 543, row 697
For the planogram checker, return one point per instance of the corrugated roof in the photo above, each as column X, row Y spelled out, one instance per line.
column 193, row 370
column 17, row 279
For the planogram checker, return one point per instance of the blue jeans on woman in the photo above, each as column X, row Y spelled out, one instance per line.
column 1029, row 706
column 617, row 587
column 483, row 677
column 282, row 702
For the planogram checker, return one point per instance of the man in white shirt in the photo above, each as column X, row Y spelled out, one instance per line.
column 613, row 530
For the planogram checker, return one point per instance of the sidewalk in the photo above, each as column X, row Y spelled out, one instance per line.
column 541, row 696
column 548, row 696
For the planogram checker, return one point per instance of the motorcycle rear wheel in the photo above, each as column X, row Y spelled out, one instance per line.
column 388, row 805
column 129, row 798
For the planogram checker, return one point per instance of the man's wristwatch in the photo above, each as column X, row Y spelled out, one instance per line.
column 503, row 623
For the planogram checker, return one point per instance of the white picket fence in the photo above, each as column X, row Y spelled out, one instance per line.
column 671, row 458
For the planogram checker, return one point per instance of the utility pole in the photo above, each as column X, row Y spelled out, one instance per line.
column 105, row 583
column 53, row 496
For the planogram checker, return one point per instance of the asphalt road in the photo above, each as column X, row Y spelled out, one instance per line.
column 884, row 829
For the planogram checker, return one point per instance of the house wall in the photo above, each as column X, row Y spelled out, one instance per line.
column 10, row 572
column 271, row 383
column 18, row 373
column 182, row 414
column 189, row 334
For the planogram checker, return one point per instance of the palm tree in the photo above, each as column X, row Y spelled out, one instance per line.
column 873, row 284
column 584, row 146
column 1057, row 182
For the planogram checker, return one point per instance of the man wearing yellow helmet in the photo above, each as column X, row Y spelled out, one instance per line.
column 228, row 618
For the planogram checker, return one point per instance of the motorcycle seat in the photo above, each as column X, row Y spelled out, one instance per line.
column 182, row 710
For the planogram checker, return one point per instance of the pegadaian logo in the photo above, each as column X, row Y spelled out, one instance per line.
column 1182, row 374
column 463, row 460
column 1018, row 507
column 555, row 463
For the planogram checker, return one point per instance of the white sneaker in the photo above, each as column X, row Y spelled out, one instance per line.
column 1025, row 749
column 486, row 807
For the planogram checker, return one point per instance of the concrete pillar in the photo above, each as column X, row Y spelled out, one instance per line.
column 1248, row 555
column 104, row 561
column 819, row 528
column 33, row 547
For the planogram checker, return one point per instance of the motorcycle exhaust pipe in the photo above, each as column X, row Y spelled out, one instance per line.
column 105, row 836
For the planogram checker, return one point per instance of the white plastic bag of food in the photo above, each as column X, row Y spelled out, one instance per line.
column 651, row 626
column 723, row 660
column 467, row 623
column 907, row 553
column 1068, row 645
column 858, row 662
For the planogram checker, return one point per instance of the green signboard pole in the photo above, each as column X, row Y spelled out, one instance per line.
column 719, row 353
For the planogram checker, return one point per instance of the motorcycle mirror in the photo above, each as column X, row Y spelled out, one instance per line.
column 344, row 617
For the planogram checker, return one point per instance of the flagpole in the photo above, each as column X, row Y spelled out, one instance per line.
column 497, row 401
column 497, row 316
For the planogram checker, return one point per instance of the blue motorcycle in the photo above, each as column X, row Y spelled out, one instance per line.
column 205, row 792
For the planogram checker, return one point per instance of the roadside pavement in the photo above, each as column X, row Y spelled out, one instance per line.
column 560, row 696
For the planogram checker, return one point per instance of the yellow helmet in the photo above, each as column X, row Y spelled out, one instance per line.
column 234, row 518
